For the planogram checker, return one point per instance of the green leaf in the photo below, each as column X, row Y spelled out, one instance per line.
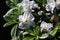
column 13, row 14
column 28, row 38
column 20, row 10
column 58, row 25
column 14, row 38
column 38, row 1
column 15, row 1
column 36, row 30
column 54, row 31
column 7, row 18
column 10, row 4
column 41, row 1
column 8, row 24
column 44, row 36
column 31, row 32
column 14, row 31
column 20, row 37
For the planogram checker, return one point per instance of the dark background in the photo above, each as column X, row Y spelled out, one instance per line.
column 4, row 32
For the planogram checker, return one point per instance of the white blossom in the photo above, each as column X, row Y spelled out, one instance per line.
column 34, row 5
column 58, row 4
column 28, row 5
column 46, row 26
column 26, row 20
column 50, row 5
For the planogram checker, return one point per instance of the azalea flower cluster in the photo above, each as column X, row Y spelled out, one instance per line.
column 52, row 4
column 38, row 19
column 46, row 26
column 27, row 19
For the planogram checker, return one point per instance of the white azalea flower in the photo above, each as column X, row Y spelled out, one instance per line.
column 25, row 5
column 28, row 5
column 46, row 26
column 58, row 4
column 34, row 5
column 50, row 5
column 27, row 20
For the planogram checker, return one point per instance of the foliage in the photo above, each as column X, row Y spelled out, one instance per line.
column 33, row 33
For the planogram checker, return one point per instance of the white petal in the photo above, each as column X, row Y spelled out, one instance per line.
column 32, row 23
column 21, row 26
column 41, row 29
column 58, row 4
column 20, row 18
column 50, row 5
column 46, row 26
column 24, row 26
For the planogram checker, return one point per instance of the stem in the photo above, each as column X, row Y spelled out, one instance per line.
column 15, row 21
column 43, row 3
column 37, row 38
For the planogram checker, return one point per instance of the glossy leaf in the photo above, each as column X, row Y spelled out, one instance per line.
column 30, row 32
column 14, row 38
column 41, row 1
column 8, row 24
column 44, row 36
column 20, row 9
column 36, row 30
column 10, row 4
column 54, row 31
column 7, row 18
column 15, row 1
column 12, row 14
column 20, row 37
column 28, row 38
column 14, row 31
column 58, row 25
